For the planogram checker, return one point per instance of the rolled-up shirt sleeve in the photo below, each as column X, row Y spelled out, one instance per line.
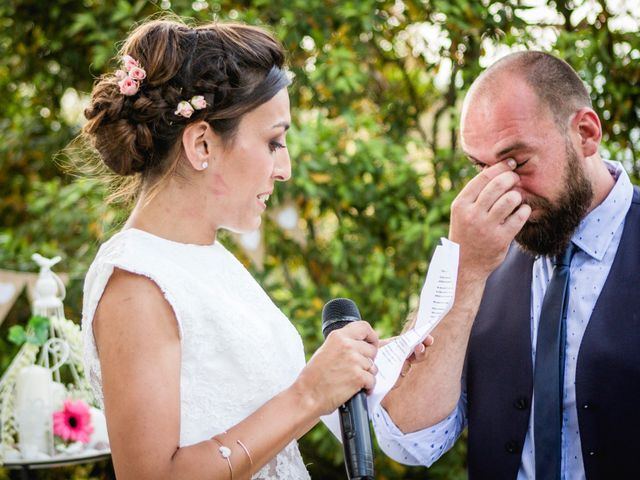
column 422, row 447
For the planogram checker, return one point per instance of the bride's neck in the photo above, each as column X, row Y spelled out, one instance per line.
column 175, row 212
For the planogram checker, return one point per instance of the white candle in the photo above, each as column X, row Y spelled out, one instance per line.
column 33, row 411
column 33, row 382
column 99, row 437
column 58, row 393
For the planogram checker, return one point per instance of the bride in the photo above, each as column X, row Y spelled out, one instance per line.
column 200, row 374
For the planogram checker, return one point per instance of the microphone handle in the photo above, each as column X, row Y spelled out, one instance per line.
column 356, row 438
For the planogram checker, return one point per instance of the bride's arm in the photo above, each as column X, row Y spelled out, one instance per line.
column 139, row 348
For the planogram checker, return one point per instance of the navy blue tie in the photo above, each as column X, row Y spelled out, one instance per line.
column 548, row 378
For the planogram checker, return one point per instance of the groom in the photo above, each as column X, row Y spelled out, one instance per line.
column 528, row 125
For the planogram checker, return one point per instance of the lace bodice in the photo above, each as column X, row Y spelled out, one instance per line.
column 238, row 348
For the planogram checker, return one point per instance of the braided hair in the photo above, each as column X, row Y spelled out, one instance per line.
column 235, row 67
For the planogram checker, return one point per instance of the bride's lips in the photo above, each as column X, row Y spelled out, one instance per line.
column 263, row 198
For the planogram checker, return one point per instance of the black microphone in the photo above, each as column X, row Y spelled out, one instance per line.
column 354, row 416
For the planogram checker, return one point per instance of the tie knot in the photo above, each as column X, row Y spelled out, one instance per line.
column 564, row 259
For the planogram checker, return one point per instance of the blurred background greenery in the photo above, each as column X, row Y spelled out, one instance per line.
column 375, row 101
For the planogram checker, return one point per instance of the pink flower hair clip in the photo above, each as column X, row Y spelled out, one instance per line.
column 131, row 76
column 186, row 108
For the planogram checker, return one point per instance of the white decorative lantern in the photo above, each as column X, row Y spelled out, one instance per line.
column 33, row 386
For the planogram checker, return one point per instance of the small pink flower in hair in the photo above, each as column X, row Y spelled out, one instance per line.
column 137, row 73
column 129, row 62
column 184, row 109
column 130, row 76
column 128, row 86
column 198, row 102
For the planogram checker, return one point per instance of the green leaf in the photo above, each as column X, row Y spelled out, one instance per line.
column 17, row 335
column 38, row 328
column 36, row 333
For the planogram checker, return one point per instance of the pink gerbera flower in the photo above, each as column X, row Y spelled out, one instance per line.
column 73, row 422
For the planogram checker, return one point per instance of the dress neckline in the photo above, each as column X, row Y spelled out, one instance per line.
column 138, row 231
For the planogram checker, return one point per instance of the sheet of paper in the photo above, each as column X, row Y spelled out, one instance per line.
column 436, row 299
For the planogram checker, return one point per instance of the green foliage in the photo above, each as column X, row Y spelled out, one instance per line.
column 36, row 333
column 377, row 90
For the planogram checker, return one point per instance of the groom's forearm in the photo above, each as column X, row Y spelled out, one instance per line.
column 431, row 389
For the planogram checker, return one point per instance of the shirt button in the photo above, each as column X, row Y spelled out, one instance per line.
column 511, row 446
column 521, row 403
column 586, row 406
column 592, row 453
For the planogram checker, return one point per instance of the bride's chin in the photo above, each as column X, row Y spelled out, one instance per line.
column 244, row 229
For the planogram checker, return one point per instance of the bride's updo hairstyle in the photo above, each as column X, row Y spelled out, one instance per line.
column 137, row 128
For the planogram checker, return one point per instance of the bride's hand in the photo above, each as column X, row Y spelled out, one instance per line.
column 342, row 366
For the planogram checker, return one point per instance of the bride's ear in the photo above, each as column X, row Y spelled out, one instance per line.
column 197, row 141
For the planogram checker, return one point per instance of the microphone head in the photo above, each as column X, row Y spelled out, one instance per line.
column 337, row 313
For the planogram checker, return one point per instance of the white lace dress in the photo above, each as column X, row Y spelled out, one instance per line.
column 238, row 348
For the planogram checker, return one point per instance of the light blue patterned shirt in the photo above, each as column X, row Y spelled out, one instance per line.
column 598, row 237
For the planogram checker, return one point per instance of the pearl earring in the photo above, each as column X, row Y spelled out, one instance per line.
column 204, row 165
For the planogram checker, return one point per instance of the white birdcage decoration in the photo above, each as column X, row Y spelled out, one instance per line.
column 41, row 377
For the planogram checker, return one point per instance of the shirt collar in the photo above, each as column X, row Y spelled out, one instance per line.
column 596, row 230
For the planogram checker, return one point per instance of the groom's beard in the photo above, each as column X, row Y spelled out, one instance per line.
column 551, row 232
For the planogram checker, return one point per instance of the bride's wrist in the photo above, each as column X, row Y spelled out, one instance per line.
column 304, row 399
